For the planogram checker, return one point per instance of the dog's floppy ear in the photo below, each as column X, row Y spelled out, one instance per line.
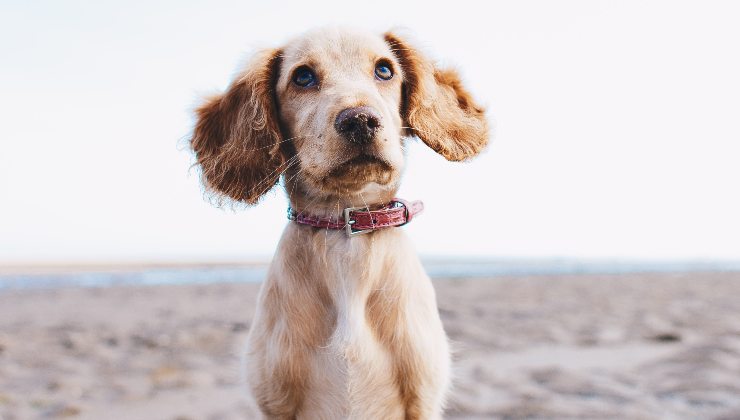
column 237, row 135
column 437, row 107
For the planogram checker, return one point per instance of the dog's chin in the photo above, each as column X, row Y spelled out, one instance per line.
column 356, row 173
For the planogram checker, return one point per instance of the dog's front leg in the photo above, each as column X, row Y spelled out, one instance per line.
column 292, row 321
column 413, row 334
column 282, row 341
column 278, row 374
column 422, row 372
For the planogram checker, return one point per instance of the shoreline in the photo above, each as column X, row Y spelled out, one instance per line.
column 51, row 276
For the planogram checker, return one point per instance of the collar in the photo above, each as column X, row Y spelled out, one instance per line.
column 359, row 220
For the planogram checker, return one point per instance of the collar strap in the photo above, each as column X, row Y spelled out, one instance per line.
column 359, row 220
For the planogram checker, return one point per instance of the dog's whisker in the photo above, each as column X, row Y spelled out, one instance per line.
column 431, row 134
column 372, row 221
column 307, row 206
column 273, row 145
column 289, row 180
column 279, row 170
column 421, row 131
column 275, row 174
column 291, row 193
column 366, row 206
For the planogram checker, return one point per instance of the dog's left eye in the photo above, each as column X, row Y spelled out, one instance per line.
column 304, row 77
column 383, row 71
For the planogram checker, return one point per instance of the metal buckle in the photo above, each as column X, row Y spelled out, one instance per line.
column 349, row 223
column 406, row 210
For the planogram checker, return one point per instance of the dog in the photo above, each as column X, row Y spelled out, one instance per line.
column 347, row 324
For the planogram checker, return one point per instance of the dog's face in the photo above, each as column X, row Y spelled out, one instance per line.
column 339, row 100
column 329, row 112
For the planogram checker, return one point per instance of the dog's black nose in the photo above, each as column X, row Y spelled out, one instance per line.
column 358, row 125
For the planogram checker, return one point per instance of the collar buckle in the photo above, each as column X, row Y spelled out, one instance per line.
column 349, row 222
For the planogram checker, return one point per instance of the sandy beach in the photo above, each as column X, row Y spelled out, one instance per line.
column 632, row 346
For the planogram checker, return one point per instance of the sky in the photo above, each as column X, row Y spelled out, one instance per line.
column 617, row 129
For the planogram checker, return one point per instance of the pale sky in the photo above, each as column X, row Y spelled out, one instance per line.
column 617, row 127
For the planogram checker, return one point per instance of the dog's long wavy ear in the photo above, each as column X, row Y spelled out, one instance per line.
column 237, row 135
column 437, row 107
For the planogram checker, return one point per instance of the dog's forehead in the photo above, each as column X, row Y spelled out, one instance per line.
column 336, row 46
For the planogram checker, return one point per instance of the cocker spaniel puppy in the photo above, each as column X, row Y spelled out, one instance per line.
column 347, row 323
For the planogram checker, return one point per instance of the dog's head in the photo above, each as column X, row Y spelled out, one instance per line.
column 330, row 111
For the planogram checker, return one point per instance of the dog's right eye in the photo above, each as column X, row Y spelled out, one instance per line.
column 304, row 77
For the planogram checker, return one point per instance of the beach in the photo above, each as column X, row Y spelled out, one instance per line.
column 634, row 346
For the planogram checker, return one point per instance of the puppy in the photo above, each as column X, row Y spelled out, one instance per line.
column 347, row 323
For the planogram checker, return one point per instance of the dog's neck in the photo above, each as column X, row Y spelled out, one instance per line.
column 332, row 205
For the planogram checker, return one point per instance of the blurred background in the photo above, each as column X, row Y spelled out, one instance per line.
column 596, row 275
column 616, row 128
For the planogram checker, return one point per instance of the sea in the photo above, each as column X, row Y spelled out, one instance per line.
column 437, row 268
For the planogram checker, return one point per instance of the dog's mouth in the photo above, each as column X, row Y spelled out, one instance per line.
column 363, row 160
column 359, row 171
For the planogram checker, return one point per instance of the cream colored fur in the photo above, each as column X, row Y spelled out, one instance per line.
column 346, row 327
column 383, row 328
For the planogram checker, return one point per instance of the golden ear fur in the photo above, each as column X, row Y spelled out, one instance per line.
column 437, row 107
column 237, row 136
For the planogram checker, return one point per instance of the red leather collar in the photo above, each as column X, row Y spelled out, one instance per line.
column 358, row 220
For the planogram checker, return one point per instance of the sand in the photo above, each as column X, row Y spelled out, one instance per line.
column 626, row 346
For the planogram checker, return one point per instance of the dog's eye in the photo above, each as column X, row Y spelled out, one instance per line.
column 304, row 77
column 383, row 71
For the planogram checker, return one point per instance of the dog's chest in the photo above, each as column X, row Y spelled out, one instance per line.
column 353, row 365
column 355, row 361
